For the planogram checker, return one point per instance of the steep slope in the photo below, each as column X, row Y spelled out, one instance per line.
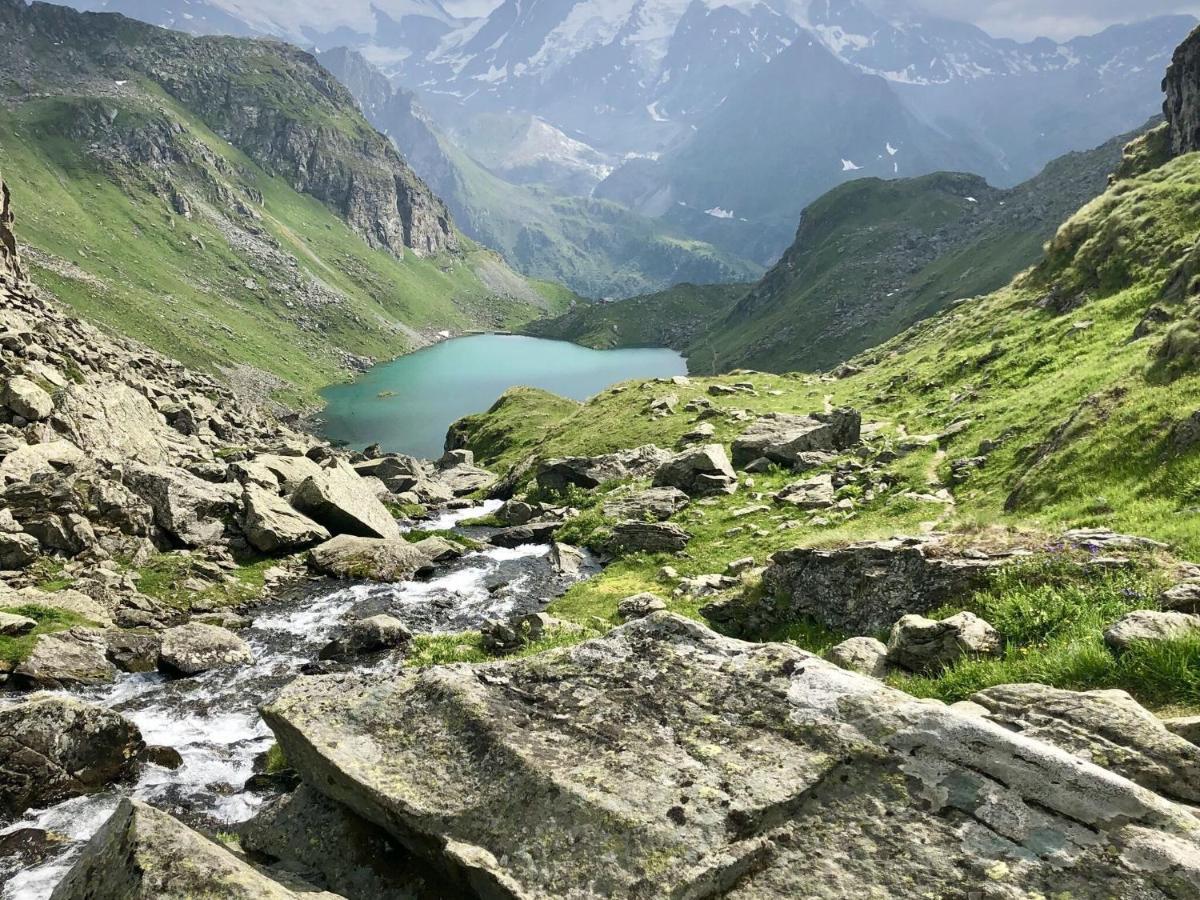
column 870, row 258
column 597, row 248
column 274, row 228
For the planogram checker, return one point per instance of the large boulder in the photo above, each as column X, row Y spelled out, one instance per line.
column 1150, row 625
column 556, row 475
column 54, row 747
column 648, row 537
column 39, row 459
column 15, row 626
column 26, row 399
column 113, row 421
column 655, row 504
column 190, row 509
column 196, row 647
column 864, row 588
column 1108, row 728
column 539, row 532
column 924, row 645
column 331, row 846
column 67, row 600
column 66, row 659
column 141, row 853
column 812, row 493
column 783, row 438
column 288, row 471
column 370, row 559
column 343, row 502
column 271, row 525
column 699, row 472
column 704, row 766
column 865, row 655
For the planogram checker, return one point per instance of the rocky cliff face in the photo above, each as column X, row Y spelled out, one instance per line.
column 1182, row 87
column 10, row 262
column 273, row 102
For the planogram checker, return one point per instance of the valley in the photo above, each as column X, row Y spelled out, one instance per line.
column 428, row 471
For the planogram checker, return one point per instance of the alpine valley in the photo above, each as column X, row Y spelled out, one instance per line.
column 894, row 591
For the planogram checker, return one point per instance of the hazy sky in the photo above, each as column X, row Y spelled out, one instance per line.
column 1054, row 18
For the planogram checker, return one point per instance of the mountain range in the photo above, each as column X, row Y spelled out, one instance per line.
column 721, row 121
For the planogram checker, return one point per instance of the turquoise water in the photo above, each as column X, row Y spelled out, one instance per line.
column 407, row 405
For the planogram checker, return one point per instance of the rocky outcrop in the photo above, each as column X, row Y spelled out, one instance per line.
column 707, row 767
column 195, row 648
column 656, row 504
column 142, row 853
column 271, row 525
column 54, row 747
column 340, row 500
column 10, row 259
column 191, row 510
column 556, row 475
column 67, row 659
column 784, row 439
column 864, row 588
column 648, row 537
column 1108, row 728
column 701, row 472
column 371, row 559
column 1182, row 104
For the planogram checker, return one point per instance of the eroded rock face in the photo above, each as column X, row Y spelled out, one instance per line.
column 1108, row 728
column 864, row 588
column 709, row 767
column 784, row 438
column 648, row 537
column 190, row 509
column 54, row 747
column 142, row 853
column 1182, row 104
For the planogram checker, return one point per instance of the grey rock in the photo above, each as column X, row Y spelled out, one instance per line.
column 141, row 853
column 539, row 532
column 271, row 525
column 865, row 655
column 864, row 588
column 196, row 647
column 639, row 606
column 289, row 471
column 782, row 438
column 1182, row 597
column 1150, row 625
column 375, row 633
column 18, row 550
column 26, row 399
column 556, row 475
column 192, row 510
column 699, row 472
column 14, row 625
column 706, row 585
column 371, row 559
column 1187, row 727
column 810, row 779
column 648, row 537
column 113, row 421
column 923, row 645
column 35, row 459
column 340, row 500
column 567, row 560
column 54, row 747
column 813, row 493
column 516, row 512
column 438, row 549
column 66, row 659
column 1108, row 728
column 655, row 504
column 132, row 651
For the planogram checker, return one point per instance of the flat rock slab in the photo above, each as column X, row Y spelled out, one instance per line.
column 142, row 853
column 664, row 760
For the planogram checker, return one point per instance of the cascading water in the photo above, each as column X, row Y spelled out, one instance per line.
column 212, row 720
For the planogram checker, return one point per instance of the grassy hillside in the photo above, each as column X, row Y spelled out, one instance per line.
column 141, row 216
column 870, row 258
column 1072, row 389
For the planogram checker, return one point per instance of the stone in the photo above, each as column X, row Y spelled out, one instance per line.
column 738, row 566
column 338, row 499
column 504, row 636
column 1187, row 727
column 15, row 626
column 164, row 757
column 113, row 421
column 556, row 475
column 865, row 655
column 639, row 606
column 191, row 510
column 53, row 747
column 781, row 438
column 26, row 399
column 813, row 493
column 1108, row 728
column 18, row 550
column 706, row 585
column 66, row 659
column 438, row 549
column 1150, row 625
column 864, row 588
column 1182, row 597
column 330, row 846
column 541, row 532
column 67, row 600
column 515, row 512
column 369, row 559
column 699, row 472
column 194, row 648
column 655, row 504
column 648, row 537
column 567, row 561
column 375, row 633
column 701, row 434
column 924, row 645
column 705, row 766
column 132, row 651
column 37, row 459
column 464, row 479
column 142, row 853
column 271, row 525
column 289, row 472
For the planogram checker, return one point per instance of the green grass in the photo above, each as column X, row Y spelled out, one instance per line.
column 15, row 649
column 164, row 578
